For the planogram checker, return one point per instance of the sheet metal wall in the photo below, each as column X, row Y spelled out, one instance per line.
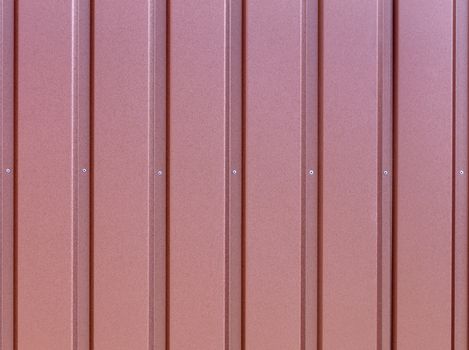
column 256, row 175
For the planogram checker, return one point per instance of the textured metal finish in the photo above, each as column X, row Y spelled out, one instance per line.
column 6, row 178
column 52, row 202
column 352, row 121
column 424, row 172
column 204, row 199
column 128, row 201
column 274, row 175
column 278, row 175
column 460, row 239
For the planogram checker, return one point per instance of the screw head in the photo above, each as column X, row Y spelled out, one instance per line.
column 234, row 171
column 311, row 172
column 84, row 170
column 461, row 172
column 159, row 172
column 386, row 173
column 8, row 170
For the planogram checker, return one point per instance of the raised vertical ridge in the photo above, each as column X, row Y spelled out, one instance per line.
column 75, row 169
column 384, row 173
column 16, row 172
column 227, row 174
column 460, row 172
column 243, row 168
column 309, row 174
column 394, row 172
column 80, row 171
column 233, row 172
column 320, row 185
column 91, row 183
column 7, row 174
column 152, row 173
column 167, row 100
column 453, row 178
column 157, row 173
column 379, row 173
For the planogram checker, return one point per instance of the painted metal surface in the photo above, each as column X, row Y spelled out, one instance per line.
column 424, row 204
column 51, row 200
column 239, row 175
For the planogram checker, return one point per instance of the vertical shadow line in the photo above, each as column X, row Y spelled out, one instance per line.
column 380, row 155
column 15, row 174
column 395, row 157
column 227, row 117
column 152, row 134
column 320, row 171
column 75, row 165
column 244, row 56
column 91, row 172
column 453, row 179
column 168, row 177
column 303, row 78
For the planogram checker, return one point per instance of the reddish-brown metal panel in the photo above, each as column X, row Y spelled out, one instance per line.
column 52, row 201
column 310, row 175
column 461, row 272
column 158, row 96
column 233, row 174
column 278, row 183
column 81, row 166
column 128, row 175
column 350, row 226
column 205, row 175
column 385, row 170
column 273, row 175
column 7, row 173
column 424, row 170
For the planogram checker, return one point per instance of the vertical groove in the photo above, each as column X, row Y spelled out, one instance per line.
column 168, row 177
column 453, row 173
column 7, row 116
column 157, row 172
column 75, row 168
column 91, row 172
column 320, row 172
column 244, row 56
column 151, row 174
column 227, row 117
column 309, row 171
column 460, row 135
column 303, row 166
column 379, row 247
column 233, row 172
column 15, row 180
column 2, row 151
column 394, row 253
column 384, row 173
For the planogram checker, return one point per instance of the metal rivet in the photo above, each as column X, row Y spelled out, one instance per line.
column 84, row 170
column 386, row 173
column 234, row 171
column 461, row 172
column 8, row 170
column 159, row 172
column 311, row 172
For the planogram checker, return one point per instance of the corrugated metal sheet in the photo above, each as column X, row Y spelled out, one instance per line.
column 239, row 175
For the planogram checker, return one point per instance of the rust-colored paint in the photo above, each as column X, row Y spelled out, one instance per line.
column 51, row 308
column 238, row 175
column 424, row 193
